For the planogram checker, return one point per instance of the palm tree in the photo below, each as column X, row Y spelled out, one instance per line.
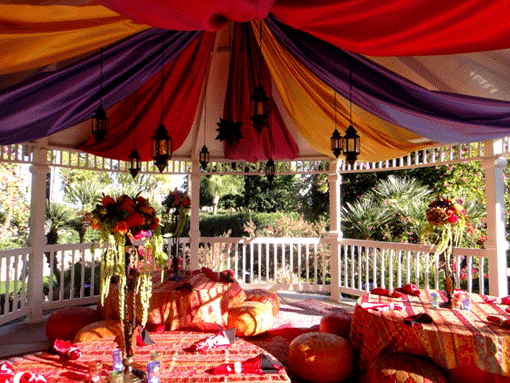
column 220, row 186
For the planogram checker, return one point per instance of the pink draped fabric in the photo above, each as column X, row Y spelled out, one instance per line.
column 209, row 15
column 247, row 69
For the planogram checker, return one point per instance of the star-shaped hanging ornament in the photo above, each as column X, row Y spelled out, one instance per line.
column 229, row 131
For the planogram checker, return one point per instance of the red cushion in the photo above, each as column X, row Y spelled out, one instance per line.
column 337, row 323
column 64, row 323
column 403, row 368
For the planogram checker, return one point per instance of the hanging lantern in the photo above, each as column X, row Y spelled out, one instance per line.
column 259, row 108
column 351, row 145
column 100, row 124
column 270, row 170
column 336, row 143
column 204, row 157
column 134, row 161
column 161, row 148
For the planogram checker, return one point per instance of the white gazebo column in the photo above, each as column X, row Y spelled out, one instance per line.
column 496, row 244
column 194, row 231
column 37, row 239
column 335, row 233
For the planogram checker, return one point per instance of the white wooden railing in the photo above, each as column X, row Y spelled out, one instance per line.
column 71, row 272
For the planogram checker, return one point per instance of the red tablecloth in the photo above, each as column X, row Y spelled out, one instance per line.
column 197, row 298
column 177, row 365
column 456, row 338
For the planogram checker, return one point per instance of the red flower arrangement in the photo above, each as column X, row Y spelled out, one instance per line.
column 126, row 216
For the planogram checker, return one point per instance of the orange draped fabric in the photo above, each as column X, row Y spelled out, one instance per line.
column 182, row 87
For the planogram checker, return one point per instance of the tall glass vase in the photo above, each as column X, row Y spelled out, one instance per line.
column 449, row 282
column 128, row 323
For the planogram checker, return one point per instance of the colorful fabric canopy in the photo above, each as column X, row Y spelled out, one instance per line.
column 299, row 56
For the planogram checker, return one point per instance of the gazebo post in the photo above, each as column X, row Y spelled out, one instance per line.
column 194, row 232
column 496, row 244
column 36, row 239
column 335, row 233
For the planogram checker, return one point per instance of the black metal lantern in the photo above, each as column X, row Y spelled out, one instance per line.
column 260, row 108
column 270, row 170
column 351, row 145
column 161, row 148
column 100, row 124
column 134, row 161
column 204, row 157
column 336, row 143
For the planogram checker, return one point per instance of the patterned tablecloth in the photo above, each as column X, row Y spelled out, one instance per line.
column 177, row 364
column 197, row 298
column 456, row 338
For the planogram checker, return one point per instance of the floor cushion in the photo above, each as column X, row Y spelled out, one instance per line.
column 250, row 318
column 63, row 324
column 264, row 296
column 321, row 357
column 403, row 368
column 101, row 329
column 338, row 323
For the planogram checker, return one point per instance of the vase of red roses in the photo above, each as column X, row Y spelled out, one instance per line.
column 121, row 222
column 447, row 220
column 177, row 206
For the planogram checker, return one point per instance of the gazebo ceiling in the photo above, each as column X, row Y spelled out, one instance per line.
column 400, row 102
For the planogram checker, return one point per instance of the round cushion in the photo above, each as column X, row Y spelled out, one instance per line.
column 102, row 329
column 402, row 368
column 321, row 357
column 63, row 324
column 338, row 323
column 250, row 318
column 264, row 296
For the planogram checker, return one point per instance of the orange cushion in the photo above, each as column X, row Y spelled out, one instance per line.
column 321, row 357
column 472, row 374
column 337, row 323
column 403, row 368
column 63, row 324
column 102, row 329
column 264, row 296
column 250, row 318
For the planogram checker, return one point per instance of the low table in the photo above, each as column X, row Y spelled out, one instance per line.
column 196, row 298
column 456, row 338
column 177, row 365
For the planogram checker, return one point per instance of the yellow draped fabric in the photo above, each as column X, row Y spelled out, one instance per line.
column 33, row 36
column 310, row 104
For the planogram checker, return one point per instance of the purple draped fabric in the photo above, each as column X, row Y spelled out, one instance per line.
column 439, row 116
column 41, row 106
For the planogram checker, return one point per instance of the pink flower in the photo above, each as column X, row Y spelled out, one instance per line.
column 453, row 218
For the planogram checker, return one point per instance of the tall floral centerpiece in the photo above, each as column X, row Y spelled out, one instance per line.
column 120, row 222
column 177, row 205
column 447, row 220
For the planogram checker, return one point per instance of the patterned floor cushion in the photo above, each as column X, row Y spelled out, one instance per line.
column 250, row 318
column 264, row 296
column 403, row 368
column 321, row 357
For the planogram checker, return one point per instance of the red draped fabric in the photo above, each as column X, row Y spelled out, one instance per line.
column 182, row 86
column 399, row 28
column 247, row 69
column 209, row 15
